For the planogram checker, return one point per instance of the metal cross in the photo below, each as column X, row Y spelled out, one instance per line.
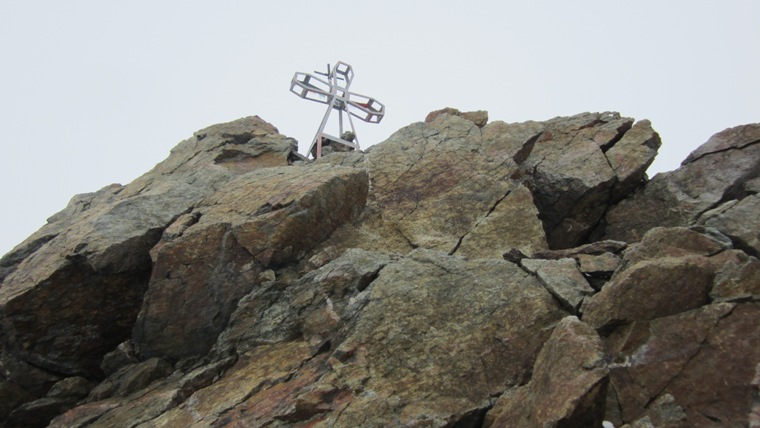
column 334, row 92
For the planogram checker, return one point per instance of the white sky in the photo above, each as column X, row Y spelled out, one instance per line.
column 97, row 92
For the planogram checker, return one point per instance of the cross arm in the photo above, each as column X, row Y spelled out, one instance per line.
column 365, row 108
column 311, row 88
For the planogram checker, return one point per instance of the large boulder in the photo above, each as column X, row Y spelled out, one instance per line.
column 676, row 355
column 449, row 185
column 71, row 292
column 682, row 306
column 568, row 387
column 717, row 172
column 398, row 348
column 579, row 164
column 268, row 218
column 671, row 270
column 740, row 222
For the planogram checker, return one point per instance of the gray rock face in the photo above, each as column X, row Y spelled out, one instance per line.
column 580, row 164
column 71, row 292
column 741, row 223
column 715, row 173
column 314, row 307
column 131, row 378
column 272, row 218
column 460, row 273
column 563, row 280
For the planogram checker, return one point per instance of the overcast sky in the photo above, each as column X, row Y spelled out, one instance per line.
column 98, row 92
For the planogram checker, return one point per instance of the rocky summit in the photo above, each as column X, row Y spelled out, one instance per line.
column 462, row 273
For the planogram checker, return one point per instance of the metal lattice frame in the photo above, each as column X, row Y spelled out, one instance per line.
column 334, row 92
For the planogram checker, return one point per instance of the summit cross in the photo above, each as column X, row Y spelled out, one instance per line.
column 334, row 92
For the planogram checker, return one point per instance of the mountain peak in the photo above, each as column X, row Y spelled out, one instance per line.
column 237, row 283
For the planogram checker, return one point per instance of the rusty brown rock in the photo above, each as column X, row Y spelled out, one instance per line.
column 571, row 175
column 434, row 184
column 663, row 341
column 512, row 223
column 479, row 118
column 255, row 371
column 652, row 354
column 298, row 399
column 430, row 185
column 651, row 289
column 735, row 343
column 674, row 242
column 729, row 139
column 131, row 378
column 563, row 280
column 451, row 318
column 662, row 413
column 568, row 385
column 754, row 415
column 671, row 270
column 602, row 264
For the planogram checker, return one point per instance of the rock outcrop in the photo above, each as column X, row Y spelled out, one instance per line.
column 460, row 274
column 568, row 386
column 712, row 181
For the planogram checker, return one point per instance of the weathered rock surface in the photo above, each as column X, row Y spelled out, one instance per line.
column 580, row 169
column 479, row 118
column 71, row 292
column 448, row 184
column 715, row 173
column 667, row 335
column 669, row 271
column 451, row 319
column 568, row 386
column 562, row 279
column 741, row 223
column 271, row 218
column 123, row 355
column 754, row 415
column 515, row 217
column 131, row 378
column 460, row 273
